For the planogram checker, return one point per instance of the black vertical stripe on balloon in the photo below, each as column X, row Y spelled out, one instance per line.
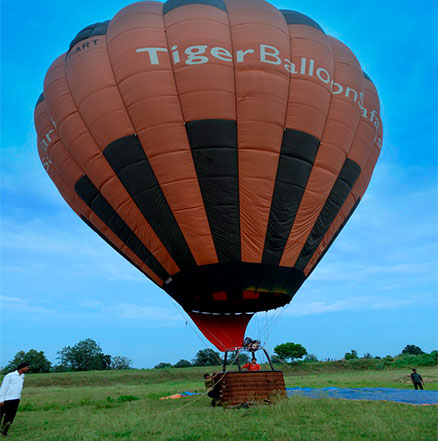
column 173, row 4
column 344, row 183
column 128, row 160
column 296, row 18
column 297, row 155
column 214, row 149
column 40, row 99
column 335, row 236
column 91, row 196
column 88, row 32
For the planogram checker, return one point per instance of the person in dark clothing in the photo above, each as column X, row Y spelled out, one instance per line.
column 10, row 394
column 416, row 379
column 213, row 386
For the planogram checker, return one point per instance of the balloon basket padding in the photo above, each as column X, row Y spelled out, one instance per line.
column 248, row 387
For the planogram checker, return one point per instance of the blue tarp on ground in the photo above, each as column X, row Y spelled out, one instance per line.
column 409, row 396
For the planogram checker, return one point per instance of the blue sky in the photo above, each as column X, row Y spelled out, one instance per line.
column 376, row 289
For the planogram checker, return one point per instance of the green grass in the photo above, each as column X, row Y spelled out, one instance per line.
column 125, row 405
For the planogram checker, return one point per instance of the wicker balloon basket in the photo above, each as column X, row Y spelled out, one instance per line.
column 247, row 387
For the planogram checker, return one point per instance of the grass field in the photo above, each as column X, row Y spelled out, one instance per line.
column 125, row 405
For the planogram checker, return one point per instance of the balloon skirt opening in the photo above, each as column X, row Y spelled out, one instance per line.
column 226, row 332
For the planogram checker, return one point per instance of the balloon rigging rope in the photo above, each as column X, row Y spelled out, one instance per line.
column 188, row 322
column 285, row 364
column 212, row 323
column 262, row 330
column 274, row 319
column 259, row 331
column 269, row 323
column 222, row 375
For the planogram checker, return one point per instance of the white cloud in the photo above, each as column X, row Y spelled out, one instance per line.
column 143, row 312
column 90, row 303
column 67, row 243
column 298, row 309
column 19, row 304
column 392, row 236
column 341, row 270
column 126, row 310
column 301, row 307
column 89, row 309
column 23, row 174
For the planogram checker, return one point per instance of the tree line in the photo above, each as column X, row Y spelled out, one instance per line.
column 290, row 352
column 85, row 355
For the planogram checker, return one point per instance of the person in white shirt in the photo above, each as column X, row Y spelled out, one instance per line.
column 10, row 393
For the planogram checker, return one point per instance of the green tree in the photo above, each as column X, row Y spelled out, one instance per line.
column 162, row 365
column 351, row 355
column 207, row 357
column 182, row 363
column 290, row 351
column 412, row 350
column 102, row 362
column 37, row 360
column 86, row 355
column 367, row 355
column 118, row 362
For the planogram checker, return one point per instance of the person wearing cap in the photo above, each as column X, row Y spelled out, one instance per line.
column 10, row 394
column 416, row 379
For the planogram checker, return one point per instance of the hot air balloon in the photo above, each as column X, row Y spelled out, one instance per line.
column 220, row 146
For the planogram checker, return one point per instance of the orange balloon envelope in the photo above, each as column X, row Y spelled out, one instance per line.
column 218, row 145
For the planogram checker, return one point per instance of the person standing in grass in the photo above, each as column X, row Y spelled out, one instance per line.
column 10, row 393
column 416, row 379
column 213, row 387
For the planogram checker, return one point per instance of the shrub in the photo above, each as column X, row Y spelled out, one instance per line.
column 382, row 364
column 412, row 350
column 126, row 398
column 351, row 355
column 162, row 365
column 182, row 363
column 412, row 361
